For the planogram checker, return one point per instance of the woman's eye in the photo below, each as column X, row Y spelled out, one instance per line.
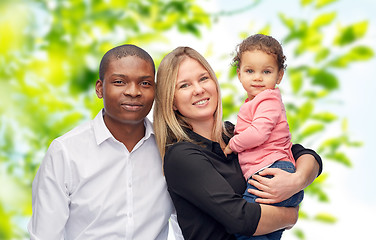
column 204, row 78
column 184, row 85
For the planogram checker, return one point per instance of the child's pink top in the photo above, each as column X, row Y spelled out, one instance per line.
column 262, row 134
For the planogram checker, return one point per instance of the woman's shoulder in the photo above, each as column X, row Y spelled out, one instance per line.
column 179, row 149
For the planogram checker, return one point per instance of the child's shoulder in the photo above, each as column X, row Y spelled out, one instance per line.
column 267, row 94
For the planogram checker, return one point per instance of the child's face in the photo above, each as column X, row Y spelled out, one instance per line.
column 127, row 90
column 258, row 71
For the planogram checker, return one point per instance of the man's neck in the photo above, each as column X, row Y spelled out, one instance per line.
column 127, row 133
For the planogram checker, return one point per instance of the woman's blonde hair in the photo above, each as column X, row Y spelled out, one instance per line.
column 169, row 124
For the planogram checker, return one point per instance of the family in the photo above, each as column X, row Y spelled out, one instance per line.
column 121, row 176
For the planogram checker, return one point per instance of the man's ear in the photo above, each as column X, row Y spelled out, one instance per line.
column 99, row 88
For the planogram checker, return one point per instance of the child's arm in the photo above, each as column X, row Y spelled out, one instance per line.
column 266, row 114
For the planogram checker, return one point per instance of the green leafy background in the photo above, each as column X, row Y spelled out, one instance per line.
column 49, row 56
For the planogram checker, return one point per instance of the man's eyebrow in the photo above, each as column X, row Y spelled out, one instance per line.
column 118, row 75
column 146, row 77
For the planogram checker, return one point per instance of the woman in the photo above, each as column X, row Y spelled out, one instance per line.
column 205, row 185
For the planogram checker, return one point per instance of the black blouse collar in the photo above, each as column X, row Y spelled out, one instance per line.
column 209, row 145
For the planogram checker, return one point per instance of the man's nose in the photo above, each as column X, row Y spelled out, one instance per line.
column 132, row 89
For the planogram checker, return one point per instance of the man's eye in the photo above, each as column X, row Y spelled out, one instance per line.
column 145, row 83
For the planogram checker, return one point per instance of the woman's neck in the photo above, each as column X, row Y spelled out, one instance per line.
column 204, row 128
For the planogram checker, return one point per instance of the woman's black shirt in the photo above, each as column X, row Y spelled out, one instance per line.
column 206, row 189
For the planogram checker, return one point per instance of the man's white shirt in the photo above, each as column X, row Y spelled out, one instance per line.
column 90, row 187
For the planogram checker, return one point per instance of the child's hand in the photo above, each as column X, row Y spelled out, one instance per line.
column 227, row 150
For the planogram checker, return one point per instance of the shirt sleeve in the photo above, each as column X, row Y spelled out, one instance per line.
column 175, row 227
column 50, row 196
column 298, row 150
column 191, row 175
column 266, row 114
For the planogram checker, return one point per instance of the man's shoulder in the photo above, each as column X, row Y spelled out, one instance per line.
column 82, row 131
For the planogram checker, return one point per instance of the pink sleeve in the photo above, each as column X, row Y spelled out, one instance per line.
column 267, row 111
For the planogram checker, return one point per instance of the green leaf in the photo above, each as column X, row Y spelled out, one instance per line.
column 305, row 110
column 340, row 157
column 288, row 22
column 359, row 53
column 325, row 79
column 296, row 80
column 232, row 73
column 299, row 233
column 351, row 33
column 322, row 54
column 326, row 218
column 323, row 3
column 312, row 129
column 326, row 117
column 323, row 20
column 305, row 2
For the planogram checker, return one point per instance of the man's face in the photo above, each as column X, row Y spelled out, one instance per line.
column 127, row 90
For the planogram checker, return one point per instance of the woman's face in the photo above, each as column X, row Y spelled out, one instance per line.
column 196, row 95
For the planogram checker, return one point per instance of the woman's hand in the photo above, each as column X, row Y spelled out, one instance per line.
column 283, row 185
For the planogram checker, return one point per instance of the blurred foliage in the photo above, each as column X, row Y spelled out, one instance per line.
column 50, row 52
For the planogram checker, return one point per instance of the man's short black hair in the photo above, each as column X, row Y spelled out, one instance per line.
column 120, row 52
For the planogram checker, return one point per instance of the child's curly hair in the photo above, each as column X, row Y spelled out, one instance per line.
column 263, row 43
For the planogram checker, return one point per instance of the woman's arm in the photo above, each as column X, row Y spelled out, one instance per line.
column 284, row 184
column 282, row 218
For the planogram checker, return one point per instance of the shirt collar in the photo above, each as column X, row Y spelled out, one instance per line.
column 102, row 133
column 209, row 145
column 197, row 138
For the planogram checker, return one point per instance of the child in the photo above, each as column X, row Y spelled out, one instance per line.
column 262, row 138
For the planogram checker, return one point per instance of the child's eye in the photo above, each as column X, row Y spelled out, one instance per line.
column 249, row 71
column 267, row 72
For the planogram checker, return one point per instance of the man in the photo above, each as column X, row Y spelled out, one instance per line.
column 103, row 179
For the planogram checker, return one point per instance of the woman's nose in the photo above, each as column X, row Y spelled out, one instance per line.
column 198, row 89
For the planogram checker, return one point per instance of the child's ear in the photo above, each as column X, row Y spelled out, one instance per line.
column 280, row 75
column 238, row 72
column 99, row 88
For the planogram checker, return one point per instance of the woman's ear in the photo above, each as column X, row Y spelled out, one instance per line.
column 99, row 88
